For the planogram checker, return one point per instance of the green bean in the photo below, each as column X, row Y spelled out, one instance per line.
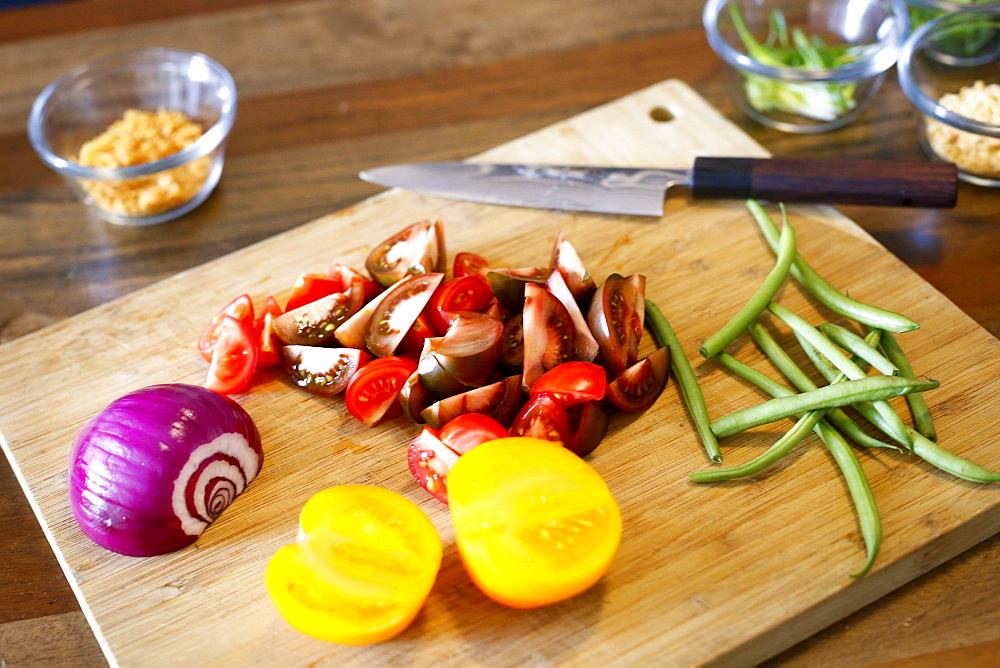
column 866, row 408
column 778, row 449
column 949, row 462
column 758, row 302
column 837, row 417
column 860, row 348
column 844, row 364
column 869, row 521
column 869, row 388
column 922, row 419
column 691, row 393
column 820, row 288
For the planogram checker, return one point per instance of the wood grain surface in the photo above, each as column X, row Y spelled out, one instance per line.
column 327, row 89
column 693, row 558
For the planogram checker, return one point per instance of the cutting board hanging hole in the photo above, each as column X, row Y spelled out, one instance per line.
column 661, row 114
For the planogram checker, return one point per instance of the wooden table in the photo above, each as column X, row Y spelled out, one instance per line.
column 329, row 88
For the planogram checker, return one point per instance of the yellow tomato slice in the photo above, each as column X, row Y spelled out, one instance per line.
column 364, row 562
column 534, row 523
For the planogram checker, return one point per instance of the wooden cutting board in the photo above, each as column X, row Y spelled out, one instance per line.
column 732, row 573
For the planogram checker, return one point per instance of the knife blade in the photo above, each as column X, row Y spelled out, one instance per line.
column 641, row 191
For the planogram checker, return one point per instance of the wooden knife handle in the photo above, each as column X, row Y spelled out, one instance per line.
column 828, row 181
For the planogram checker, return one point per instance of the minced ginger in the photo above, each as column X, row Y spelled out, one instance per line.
column 969, row 152
column 141, row 137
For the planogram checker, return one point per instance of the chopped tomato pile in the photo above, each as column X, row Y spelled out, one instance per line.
column 539, row 351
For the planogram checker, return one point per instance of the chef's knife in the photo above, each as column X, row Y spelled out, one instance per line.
column 641, row 191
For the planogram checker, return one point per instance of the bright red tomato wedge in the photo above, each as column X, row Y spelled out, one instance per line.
column 374, row 389
column 465, row 293
column 234, row 357
column 240, row 308
column 470, row 264
column 573, row 383
column 466, row 431
column 430, row 460
column 310, row 287
column 268, row 346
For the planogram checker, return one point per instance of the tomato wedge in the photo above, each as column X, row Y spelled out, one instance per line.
column 430, row 460
column 240, row 308
column 534, row 523
column 465, row 293
column 573, row 383
column 638, row 387
column 310, row 287
column 374, row 389
column 470, row 264
column 268, row 345
column 361, row 568
column 234, row 357
column 466, row 431
column 544, row 417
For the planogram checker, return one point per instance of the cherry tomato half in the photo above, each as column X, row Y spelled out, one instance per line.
column 534, row 523
column 374, row 389
column 240, row 308
column 615, row 318
column 464, row 432
column 361, row 569
column 234, row 357
column 573, row 383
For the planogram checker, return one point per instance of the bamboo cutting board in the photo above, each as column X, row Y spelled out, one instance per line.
column 730, row 573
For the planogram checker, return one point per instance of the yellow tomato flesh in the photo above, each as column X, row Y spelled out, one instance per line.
column 534, row 523
column 364, row 562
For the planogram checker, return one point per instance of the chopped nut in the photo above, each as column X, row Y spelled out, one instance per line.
column 970, row 152
column 140, row 137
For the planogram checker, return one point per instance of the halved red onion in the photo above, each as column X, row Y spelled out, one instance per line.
column 153, row 469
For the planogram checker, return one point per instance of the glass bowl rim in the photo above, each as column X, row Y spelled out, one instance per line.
column 922, row 100
column 209, row 141
column 877, row 62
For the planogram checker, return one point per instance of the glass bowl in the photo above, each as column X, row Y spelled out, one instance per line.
column 119, row 182
column 805, row 66
column 949, row 68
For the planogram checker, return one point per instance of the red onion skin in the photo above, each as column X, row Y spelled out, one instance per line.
column 125, row 461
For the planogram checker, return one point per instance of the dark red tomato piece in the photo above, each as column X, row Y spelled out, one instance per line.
column 430, row 460
column 240, row 308
column 374, row 389
column 268, row 345
column 512, row 342
column 508, row 284
column 638, row 387
column 588, row 423
column 234, row 357
column 315, row 323
column 573, row 383
column 470, row 264
column 466, row 431
column 615, row 321
column 397, row 310
column 548, row 333
column 465, row 293
column 322, row 371
column 500, row 400
column 416, row 249
column 542, row 417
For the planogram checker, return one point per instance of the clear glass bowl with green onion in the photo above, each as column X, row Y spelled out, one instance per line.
column 806, row 66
